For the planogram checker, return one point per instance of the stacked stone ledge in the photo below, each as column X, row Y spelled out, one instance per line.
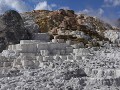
column 31, row 52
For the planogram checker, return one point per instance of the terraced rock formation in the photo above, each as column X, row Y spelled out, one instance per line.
column 67, row 25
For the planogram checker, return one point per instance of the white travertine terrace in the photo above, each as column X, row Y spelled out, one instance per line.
column 98, row 63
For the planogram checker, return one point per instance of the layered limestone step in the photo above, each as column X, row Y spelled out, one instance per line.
column 45, row 37
column 114, row 82
column 35, row 46
column 31, row 53
column 30, row 41
column 105, row 73
column 81, row 51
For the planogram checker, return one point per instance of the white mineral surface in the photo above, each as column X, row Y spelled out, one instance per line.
column 36, row 65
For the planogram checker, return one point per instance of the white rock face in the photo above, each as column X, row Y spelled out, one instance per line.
column 8, row 53
column 29, row 41
column 31, row 53
column 112, row 35
column 80, row 34
column 28, row 48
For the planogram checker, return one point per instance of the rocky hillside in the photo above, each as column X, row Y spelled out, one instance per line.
column 60, row 24
column 65, row 24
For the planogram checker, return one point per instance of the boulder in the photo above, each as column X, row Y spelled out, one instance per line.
column 75, row 74
column 12, row 29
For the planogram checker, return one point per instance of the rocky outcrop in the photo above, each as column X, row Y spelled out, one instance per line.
column 12, row 29
column 63, row 22
column 30, row 24
column 113, row 35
